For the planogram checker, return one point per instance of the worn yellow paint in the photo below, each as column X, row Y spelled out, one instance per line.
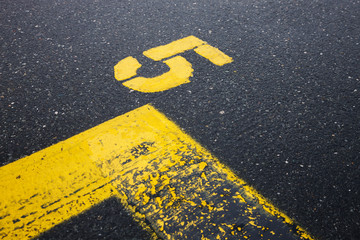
column 126, row 68
column 48, row 187
column 266, row 205
column 213, row 54
column 173, row 48
column 167, row 180
column 179, row 73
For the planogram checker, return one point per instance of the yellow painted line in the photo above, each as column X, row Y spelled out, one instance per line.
column 173, row 48
column 167, row 180
column 48, row 187
column 213, row 54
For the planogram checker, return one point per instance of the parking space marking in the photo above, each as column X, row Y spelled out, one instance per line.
column 168, row 181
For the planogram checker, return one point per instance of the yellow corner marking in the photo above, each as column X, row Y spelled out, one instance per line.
column 126, row 68
column 179, row 73
column 159, row 173
column 173, row 48
column 213, row 54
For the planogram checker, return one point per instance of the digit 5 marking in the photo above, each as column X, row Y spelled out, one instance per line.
column 180, row 69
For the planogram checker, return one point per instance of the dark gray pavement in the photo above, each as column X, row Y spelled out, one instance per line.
column 285, row 115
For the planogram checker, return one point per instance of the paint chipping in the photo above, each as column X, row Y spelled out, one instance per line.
column 172, row 186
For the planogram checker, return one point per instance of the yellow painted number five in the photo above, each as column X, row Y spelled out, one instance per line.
column 180, row 69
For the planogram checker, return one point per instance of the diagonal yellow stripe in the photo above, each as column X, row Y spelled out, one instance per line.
column 161, row 175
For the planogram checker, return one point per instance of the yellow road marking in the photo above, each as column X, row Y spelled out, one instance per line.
column 179, row 73
column 173, row 48
column 48, row 187
column 126, row 68
column 159, row 173
column 180, row 69
column 213, row 54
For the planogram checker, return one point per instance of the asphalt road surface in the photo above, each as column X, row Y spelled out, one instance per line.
column 284, row 115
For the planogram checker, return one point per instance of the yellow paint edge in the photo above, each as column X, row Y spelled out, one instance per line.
column 136, row 216
column 267, row 205
column 213, row 54
column 230, row 175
